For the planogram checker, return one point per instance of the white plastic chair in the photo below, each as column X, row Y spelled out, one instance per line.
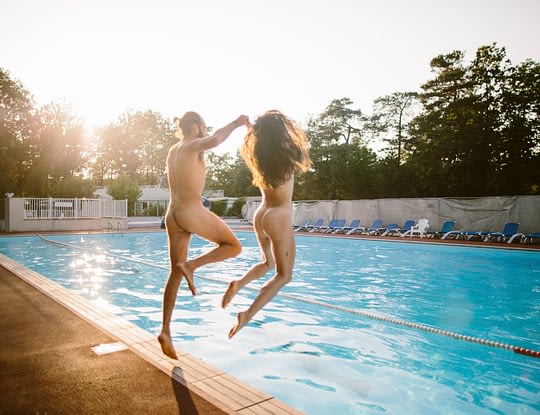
column 420, row 228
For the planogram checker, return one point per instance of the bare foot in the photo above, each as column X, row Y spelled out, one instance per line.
column 167, row 345
column 242, row 321
column 232, row 289
column 188, row 273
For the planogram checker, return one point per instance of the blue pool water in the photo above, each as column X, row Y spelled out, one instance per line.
column 310, row 347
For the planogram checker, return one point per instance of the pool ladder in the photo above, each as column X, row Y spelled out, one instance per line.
column 118, row 229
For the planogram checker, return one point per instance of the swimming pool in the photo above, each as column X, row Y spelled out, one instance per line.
column 312, row 347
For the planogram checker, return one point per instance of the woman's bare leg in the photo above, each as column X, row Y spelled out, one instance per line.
column 256, row 271
column 283, row 251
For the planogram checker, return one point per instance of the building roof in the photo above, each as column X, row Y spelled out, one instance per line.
column 149, row 193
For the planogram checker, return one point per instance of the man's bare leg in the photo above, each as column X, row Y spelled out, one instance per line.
column 212, row 228
column 209, row 227
column 169, row 300
column 187, row 272
column 178, row 248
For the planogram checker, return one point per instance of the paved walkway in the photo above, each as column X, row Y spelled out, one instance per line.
column 47, row 365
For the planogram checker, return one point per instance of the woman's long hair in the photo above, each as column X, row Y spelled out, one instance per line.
column 275, row 149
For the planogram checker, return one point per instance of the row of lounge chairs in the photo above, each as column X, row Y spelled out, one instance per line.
column 509, row 234
column 339, row 226
column 410, row 228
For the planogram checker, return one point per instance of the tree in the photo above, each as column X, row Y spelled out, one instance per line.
column 218, row 167
column 341, row 160
column 157, row 137
column 339, row 123
column 57, row 149
column 136, row 145
column 518, row 161
column 239, row 183
column 16, row 116
column 125, row 187
column 390, row 118
column 446, row 139
column 479, row 132
column 70, row 187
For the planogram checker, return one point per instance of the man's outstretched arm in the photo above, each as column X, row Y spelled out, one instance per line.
column 206, row 143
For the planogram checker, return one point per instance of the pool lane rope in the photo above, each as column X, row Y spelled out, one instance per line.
column 368, row 314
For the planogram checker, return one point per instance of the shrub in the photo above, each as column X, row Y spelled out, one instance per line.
column 236, row 209
column 219, row 207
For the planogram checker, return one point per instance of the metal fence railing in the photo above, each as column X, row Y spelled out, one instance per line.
column 54, row 208
column 114, row 208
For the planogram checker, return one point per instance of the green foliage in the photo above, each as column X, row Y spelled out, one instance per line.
column 390, row 117
column 16, row 118
column 57, row 148
column 479, row 132
column 217, row 169
column 342, row 164
column 472, row 130
column 154, row 209
column 125, row 188
column 71, row 187
column 236, row 209
column 136, row 145
column 219, row 207
column 239, row 183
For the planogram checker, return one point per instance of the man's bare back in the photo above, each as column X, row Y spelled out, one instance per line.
column 186, row 215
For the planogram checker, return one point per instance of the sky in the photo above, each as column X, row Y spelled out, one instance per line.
column 223, row 58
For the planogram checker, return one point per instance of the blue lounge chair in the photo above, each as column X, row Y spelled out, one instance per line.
column 316, row 226
column 390, row 230
column 377, row 224
column 470, row 235
column 455, row 234
column 355, row 223
column 409, row 223
column 448, row 226
column 340, row 223
column 524, row 238
column 331, row 225
column 530, row 237
column 298, row 228
column 510, row 229
column 355, row 229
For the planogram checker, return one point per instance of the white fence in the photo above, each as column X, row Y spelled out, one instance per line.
column 31, row 214
column 53, row 208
